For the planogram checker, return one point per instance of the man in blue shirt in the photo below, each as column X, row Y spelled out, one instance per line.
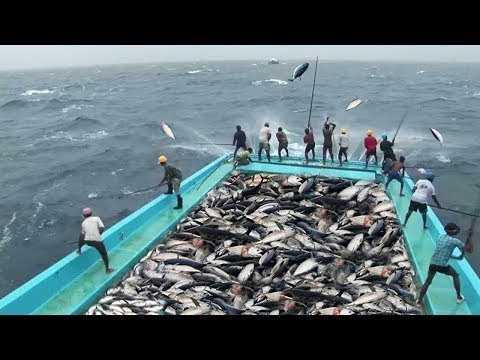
column 443, row 252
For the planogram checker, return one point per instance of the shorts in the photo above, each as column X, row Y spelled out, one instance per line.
column 373, row 153
column 394, row 175
column 310, row 147
column 282, row 146
column 447, row 270
column 241, row 161
column 176, row 185
column 414, row 206
column 265, row 146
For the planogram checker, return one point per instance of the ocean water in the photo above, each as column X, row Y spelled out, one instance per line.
column 80, row 137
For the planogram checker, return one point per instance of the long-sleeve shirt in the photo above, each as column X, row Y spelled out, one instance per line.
column 370, row 144
column 386, row 147
column 171, row 172
column 240, row 138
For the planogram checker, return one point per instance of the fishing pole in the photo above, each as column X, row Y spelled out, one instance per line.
column 207, row 143
column 456, row 211
column 313, row 90
column 401, row 122
column 142, row 190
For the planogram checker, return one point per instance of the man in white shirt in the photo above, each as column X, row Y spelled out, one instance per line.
column 264, row 138
column 422, row 191
column 92, row 228
column 343, row 142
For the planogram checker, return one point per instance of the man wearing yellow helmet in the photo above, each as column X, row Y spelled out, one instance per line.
column 371, row 145
column 343, row 142
column 173, row 177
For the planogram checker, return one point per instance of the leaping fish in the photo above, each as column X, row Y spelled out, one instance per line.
column 166, row 129
column 354, row 104
column 299, row 70
column 437, row 135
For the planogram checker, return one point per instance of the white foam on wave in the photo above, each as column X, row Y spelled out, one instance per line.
column 300, row 110
column 34, row 92
column 7, row 233
column 443, row 158
column 254, row 65
column 194, row 71
column 477, row 93
column 37, row 210
column 71, row 107
column 65, row 135
column 92, row 195
column 377, row 76
column 275, row 81
column 420, row 72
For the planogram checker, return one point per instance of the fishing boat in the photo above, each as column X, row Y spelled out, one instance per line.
column 75, row 283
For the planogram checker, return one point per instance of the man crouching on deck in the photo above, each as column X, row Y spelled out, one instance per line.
column 173, row 177
column 92, row 228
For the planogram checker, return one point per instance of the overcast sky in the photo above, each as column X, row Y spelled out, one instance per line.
column 51, row 56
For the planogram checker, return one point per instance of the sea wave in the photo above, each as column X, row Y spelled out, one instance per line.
column 35, row 92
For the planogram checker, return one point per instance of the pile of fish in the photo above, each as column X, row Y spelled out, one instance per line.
column 276, row 244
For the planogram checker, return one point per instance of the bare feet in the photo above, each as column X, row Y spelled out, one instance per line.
column 425, row 227
column 402, row 194
column 109, row 271
column 418, row 302
column 79, row 251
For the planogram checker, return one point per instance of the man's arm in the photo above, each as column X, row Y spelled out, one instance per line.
column 333, row 126
column 234, row 138
column 393, row 142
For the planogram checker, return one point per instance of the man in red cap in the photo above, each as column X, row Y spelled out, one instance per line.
column 92, row 228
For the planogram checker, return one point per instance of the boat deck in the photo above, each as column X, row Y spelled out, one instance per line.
column 75, row 283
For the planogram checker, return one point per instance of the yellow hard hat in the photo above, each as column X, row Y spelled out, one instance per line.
column 344, row 131
column 369, row 132
column 162, row 159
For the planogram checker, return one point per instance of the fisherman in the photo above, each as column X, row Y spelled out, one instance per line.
column 398, row 166
column 240, row 139
column 343, row 142
column 243, row 157
column 327, row 139
column 371, row 145
column 444, row 247
column 422, row 190
column 91, row 235
column 310, row 141
column 386, row 147
column 173, row 177
column 264, row 138
column 282, row 143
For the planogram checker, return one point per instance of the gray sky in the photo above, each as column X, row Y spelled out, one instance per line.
column 52, row 56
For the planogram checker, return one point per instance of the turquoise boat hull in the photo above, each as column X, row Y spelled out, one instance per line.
column 72, row 285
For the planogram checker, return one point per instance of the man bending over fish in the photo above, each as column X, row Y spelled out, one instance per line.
column 173, row 177
column 398, row 166
column 444, row 247
column 243, row 157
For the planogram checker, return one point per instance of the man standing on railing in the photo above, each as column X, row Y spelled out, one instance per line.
column 327, row 140
column 422, row 191
column 343, row 142
column 91, row 235
column 240, row 139
column 371, row 147
column 264, row 141
column 445, row 245
column 310, row 141
column 173, row 177
column 282, row 143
